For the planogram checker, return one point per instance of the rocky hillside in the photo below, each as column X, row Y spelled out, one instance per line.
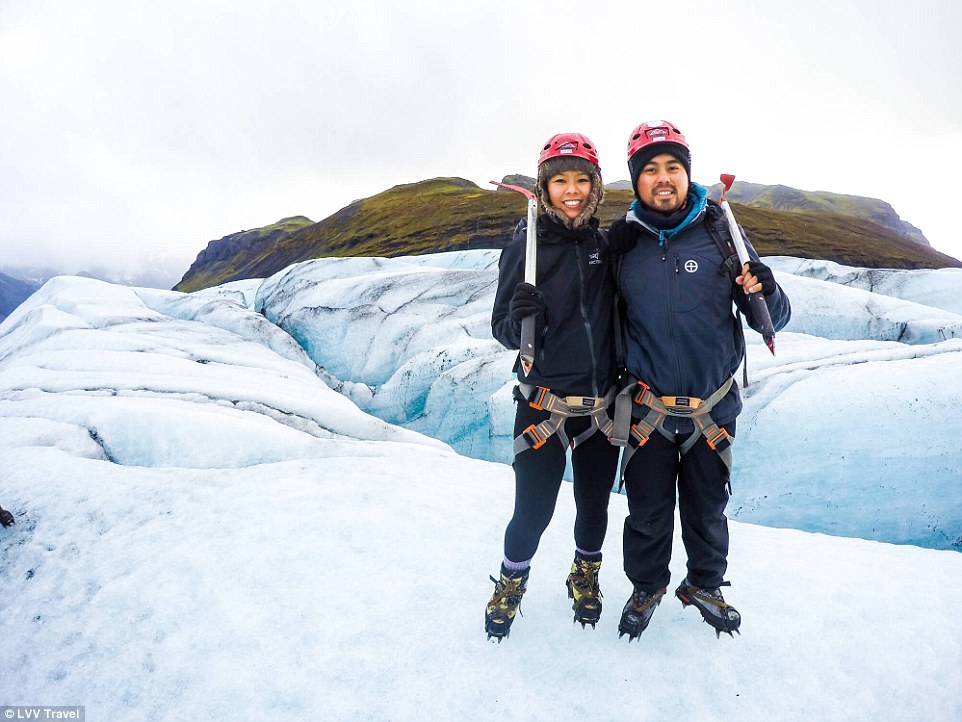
column 444, row 214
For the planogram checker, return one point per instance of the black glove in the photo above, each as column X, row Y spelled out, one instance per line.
column 764, row 275
column 6, row 518
column 526, row 301
column 621, row 237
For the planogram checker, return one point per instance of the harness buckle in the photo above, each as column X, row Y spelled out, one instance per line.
column 540, row 396
column 720, row 441
column 645, row 388
column 534, row 439
column 638, row 437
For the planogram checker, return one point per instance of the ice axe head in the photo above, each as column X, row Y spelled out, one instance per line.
column 727, row 179
column 524, row 191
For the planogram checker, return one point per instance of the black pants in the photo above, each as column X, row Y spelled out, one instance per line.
column 702, row 486
column 537, row 479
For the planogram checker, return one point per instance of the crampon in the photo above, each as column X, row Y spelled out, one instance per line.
column 637, row 612
column 505, row 603
column 582, row 584
column 722, row 616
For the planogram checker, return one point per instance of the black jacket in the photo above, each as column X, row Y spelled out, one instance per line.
column 681, row 335
column 575, row 354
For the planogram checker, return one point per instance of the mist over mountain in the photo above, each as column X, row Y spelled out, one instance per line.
column 155, row 270
column 12, row 293
column 18, row 282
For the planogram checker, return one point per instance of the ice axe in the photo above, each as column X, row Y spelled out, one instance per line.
column 528, row 323
column 756, row 301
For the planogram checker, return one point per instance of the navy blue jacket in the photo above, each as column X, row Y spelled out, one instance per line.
column 681, row 335
column 575, row 354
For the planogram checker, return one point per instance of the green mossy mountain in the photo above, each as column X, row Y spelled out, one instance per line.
column 446, row 214
column 783, row 198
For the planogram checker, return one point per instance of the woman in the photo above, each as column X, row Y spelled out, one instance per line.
column 563, row 398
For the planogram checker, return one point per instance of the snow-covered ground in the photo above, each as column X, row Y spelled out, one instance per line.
column 207, row 531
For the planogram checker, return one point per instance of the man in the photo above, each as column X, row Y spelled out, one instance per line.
column 683, row 345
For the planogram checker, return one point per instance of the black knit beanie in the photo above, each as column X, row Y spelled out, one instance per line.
column 640, row 159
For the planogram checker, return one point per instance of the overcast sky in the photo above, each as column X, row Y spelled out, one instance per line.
column 129, row 128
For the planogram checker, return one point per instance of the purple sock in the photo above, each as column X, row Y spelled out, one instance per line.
column 516, row 566
column 588, row 556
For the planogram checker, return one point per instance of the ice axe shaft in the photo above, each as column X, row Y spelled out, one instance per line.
column 756, row 301
column 528, row 323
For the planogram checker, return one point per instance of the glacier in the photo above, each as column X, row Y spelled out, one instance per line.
column 257, row 501
column 409, row 341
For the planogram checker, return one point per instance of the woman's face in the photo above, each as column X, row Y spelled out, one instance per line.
column 569, row 191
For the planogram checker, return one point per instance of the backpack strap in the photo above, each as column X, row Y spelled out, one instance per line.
column 718, row 229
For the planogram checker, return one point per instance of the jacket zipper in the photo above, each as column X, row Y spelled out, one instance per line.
column 584, row 316
column 673, row 279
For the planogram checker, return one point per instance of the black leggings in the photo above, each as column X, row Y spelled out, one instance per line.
column 537, row 479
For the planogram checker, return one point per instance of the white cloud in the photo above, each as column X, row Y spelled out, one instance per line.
column 135, row 127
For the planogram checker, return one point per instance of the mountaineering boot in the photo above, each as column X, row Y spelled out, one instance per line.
column 504, row 604
column 638, row 611
column 6, row 518
column 714, row 609
column 584, row 590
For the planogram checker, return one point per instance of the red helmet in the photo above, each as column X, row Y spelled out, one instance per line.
column 655, row 131
column 567, row 145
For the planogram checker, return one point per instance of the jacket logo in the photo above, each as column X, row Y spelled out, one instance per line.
column 691, row 266
column 594, row 258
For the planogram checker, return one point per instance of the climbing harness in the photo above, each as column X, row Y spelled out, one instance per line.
column 659, row 409
column 560, row 409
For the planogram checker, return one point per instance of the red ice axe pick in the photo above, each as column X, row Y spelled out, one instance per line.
column 530, row 271
column 756, row 301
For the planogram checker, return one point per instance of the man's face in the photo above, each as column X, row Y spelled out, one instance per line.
column 663, row 184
